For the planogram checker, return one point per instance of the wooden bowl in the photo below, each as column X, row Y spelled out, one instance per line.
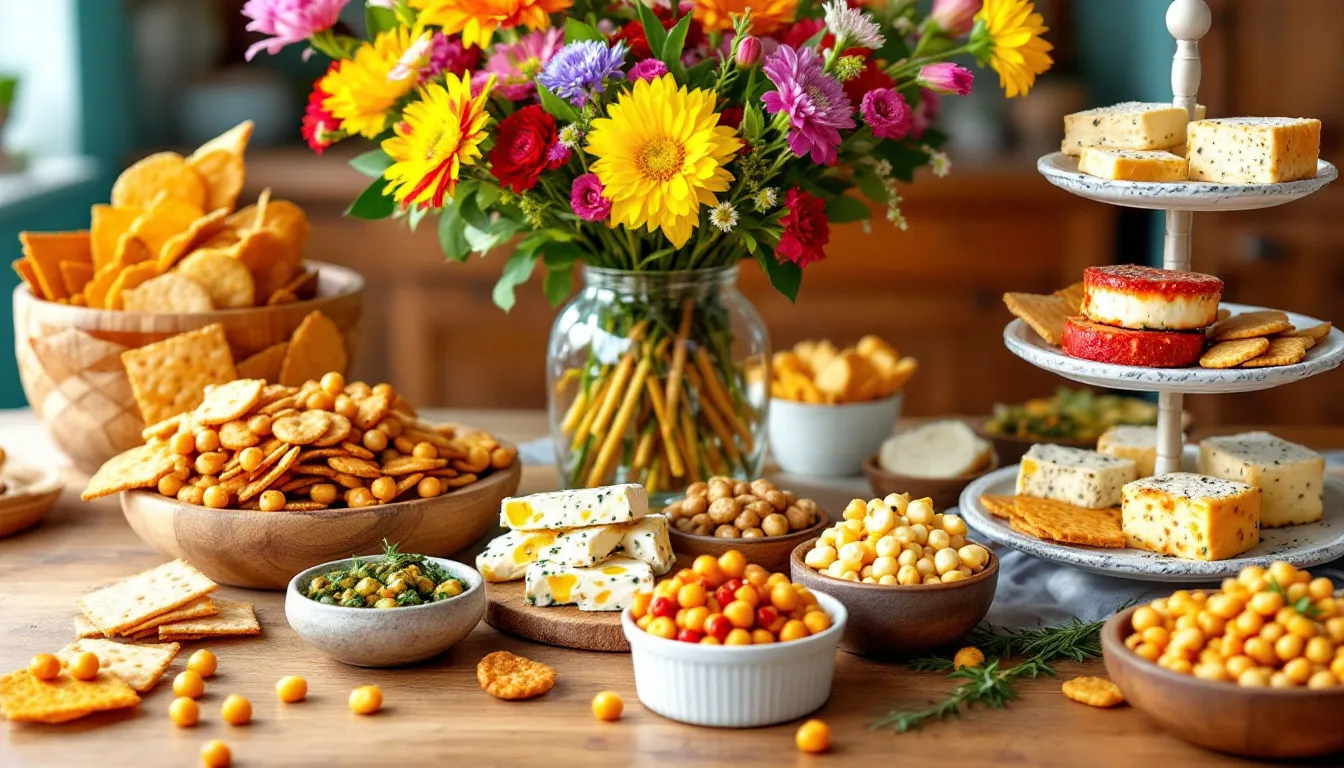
column 769, row 552
column 70, row 357
column 264, row 550
column 897, row 620
column 944, row 491
column 32, row 493
column 1275, row 723
column 1010, row 449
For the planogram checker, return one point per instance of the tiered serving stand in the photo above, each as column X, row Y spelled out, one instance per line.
column 1187, row 21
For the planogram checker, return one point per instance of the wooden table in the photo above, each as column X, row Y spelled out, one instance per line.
column 436, row 711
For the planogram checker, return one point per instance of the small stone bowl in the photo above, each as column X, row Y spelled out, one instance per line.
column 385, row 637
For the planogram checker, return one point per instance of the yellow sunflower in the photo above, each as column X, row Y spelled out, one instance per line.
column 477, row 20
column 661, row 155
column 767, row 16
column 362, row 91
column 1016, row 48
column 438, row 134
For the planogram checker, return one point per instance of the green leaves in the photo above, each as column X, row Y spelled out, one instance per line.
column 753, row 122
column 378, row 20
column 452, row 235
column 556, row 106
column 372, row 204
column 558, row 257
column 576, row 30
column 670, row 53
column 371, row 163
column 516, row 272
column 653, row 28
column 786, row 277
column 843, row 209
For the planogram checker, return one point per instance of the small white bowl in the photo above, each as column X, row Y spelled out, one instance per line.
column 386, row 637
column 736, row 686
column 830, row 440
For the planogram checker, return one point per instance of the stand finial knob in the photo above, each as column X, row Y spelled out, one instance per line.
column 1188, row 19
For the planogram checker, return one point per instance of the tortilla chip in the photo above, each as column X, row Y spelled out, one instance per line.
column 169, row 292
column 166, row 217
column 75, row 275
column 271, row 260
column 193, row 237
column 233, row 619
column 223, row 171
column 95, row 293
column 140, row 467
column 233, row 141
column 316, row 348
column 135, row 600
column 109, row 223
column 24, row 698
column 161, row 173
column 226, row 279
column 265, row 364
column 1069, row 524
column 140, row 666
column 47, row 250
column 24, row 267
column 169, row 377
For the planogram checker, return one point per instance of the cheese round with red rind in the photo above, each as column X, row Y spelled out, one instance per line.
column 1122, row 346
column 1147, row 298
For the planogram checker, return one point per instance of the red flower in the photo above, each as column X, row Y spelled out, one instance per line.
column 521, row 147
column 320, row 128
column 633, row 35
column 871, row 78
column 806, row 230
column 731, row 117
column 803, row 30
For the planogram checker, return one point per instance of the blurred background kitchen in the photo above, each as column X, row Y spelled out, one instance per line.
column 87, row 86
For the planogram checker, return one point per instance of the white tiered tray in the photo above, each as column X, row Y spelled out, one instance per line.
column 1326, row 355
column 1301, row 545
column 1062, row 171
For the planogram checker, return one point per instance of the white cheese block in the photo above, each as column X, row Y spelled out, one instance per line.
column 646, row 540
column 607, row 586
column 1128, row 125
column 1254, row 150
column 506, row 557
column 1136, row 443
column 1291, row 477
column 1074, row 476
column 938, row 449
column 577, row 508
column 1132, row 164
column 1192, row 516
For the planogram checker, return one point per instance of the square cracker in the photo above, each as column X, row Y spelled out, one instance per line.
column 998, row 506
column 1069, row 524
column 1072, row 296
column 233, row 619
column 140, row 666
column 24, row 698
column 196, row 609
column 265, row 364
column 140, row 467
column 1045, row 314
column 316, row 348
column 86, row 629
column 135, row 600
column 47, row 250
column 169, row 377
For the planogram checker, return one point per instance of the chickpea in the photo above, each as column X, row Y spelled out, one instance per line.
column 920, row 511
column 216, row 497
column 797, row 518
column 207, row 440
column 908, row 575
column 777, row 500
column 938, row 539
column 169, row 485
column 954, row 525
column 945, row 561
column 1321, row 680
column 211, row 463
column 384, row 489
column 323, row 493
column 429, row 487
column 694, row 505
column 215, row 754
column 260, row 425
column 203, row 663
column 1319, row 650
column 271, row 501
column 45, row 666
column 701, row 524
column 607, row 705
column 719, row 488
column 855, row 510
column 820, row 557
column 183, row 444
column 190, row 494
column 747, row 519
column 188, row 683
column 753, row 533
column 184, row 712
column 333, row 383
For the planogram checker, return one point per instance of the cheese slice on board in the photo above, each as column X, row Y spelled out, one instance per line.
column 506, row 557
column 1128, row 125
column 1254, row 150
column 945, row 448
column 646, row 540
column 1291, row 477
column 1136, row 443
column 576, row 508
column 1073, row 475
column 1132, row 164
column 1192, row 516
column 608, row 586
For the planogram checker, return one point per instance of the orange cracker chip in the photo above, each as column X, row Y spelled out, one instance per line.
column 169, row 377
column 1069, row 524
column 1045, row 314
column 190, row 239
column 1229, row 354
column 233, row 141
column 140, row 666
column 1093, row 691
column 24, row 267
column 316, row 347
column 506, row 676
column 75, row 275
column 265, row 364
column 1248, row 325
column 165, row 218
column 169, row 292
column 164, row 172
column 135, row 600
column 140, row 467
column 47, row 250
column 1281, row 351
column 109, row 223
column 131, row 277
column 24, row 698
column 1315, row 332
column 227, row 279
column 223, row 171
column 999, row 506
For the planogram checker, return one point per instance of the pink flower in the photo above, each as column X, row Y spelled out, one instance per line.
column 288, row 21
column 814, row 103
column 648, row 69
column 885, row 111
column 947, row 77
column 586, row 198
column 955, row 17
column 930, row 104
column 447, row 54
column 749, row 51
column 517, row 65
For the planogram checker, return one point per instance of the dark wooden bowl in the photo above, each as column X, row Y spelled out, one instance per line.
column 944, row 491
column 1273, row 723
column 896, row 620
column 769, row 552
column 1010, row 449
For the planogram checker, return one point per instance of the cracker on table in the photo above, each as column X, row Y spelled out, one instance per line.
column 506, row 676
column 201, row 606
column 1093, row 691
column 140, row 666
column 169, row 377
column 316, row 348
column 998, row 505
column 140, row 467
column 24, row 698
column 134, row 600
column 229, row 401
column 1229, row 354
column 1045, row 314
column 85, row 628
column 1284, row 351
column 1069, row 524
column 1247, row 325
column 233, row 619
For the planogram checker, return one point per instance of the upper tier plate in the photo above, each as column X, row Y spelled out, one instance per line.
column 1326, row 355
column 1062, row 171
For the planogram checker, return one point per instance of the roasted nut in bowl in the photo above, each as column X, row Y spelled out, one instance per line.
column 727, row 686
column 1263, row 722
column 945, row 491
column 374, row 637
column 892, row 620
column 830, row 440
column 769, row 552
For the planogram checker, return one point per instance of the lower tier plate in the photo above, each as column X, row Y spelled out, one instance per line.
column 1327, row 355
column 1301, row 545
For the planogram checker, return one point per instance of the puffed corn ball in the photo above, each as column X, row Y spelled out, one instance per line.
column 896, row 540
column 1268, row 627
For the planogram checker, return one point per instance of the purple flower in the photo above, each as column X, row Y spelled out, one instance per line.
column 587, row 200
column 815, row 103
column 288, row 21
column 516, row 65
column 648, row 69
column 557, row 156
column 581, row 69
column 885, row 111
column 946, row 77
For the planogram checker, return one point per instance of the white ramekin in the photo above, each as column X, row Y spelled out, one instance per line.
column 735, row 686
column 830, row 440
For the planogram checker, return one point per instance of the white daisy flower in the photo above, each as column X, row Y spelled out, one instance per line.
column 939, row 162
column 766, row 199
column 723, row 216
column 570, row 136
column 852, row 27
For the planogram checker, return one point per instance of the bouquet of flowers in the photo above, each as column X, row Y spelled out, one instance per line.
column 647, row 136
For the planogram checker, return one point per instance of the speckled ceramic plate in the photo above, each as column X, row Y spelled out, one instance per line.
column 1062, row 171
column 1325, row 356
column 1301, row 545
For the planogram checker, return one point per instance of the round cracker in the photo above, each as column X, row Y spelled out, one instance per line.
column 302, row 429
column 1248, row 325
column 169, row 292
column 162, row 172
column 338, row 430
column 1282, row 351
column 1093, row 691
column 230, row 401
column 506, row 676
column 227, row 279
column 1229, row 354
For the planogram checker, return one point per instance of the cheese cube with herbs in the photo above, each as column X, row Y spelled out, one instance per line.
column 1291, row 477
column 1136, row 443
column 1074, row 476
column 577, row 508
column 646, row 540
column 1192, row 516
column 1254, row 150
column 1128, row 125
column 608, row 586
column 506, row 557
column 584, row 546
column 1132, row 164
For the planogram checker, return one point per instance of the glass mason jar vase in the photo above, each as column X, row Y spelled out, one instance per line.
column 658, row 378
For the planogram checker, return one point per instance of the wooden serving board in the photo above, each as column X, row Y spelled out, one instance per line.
column 562, row 625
